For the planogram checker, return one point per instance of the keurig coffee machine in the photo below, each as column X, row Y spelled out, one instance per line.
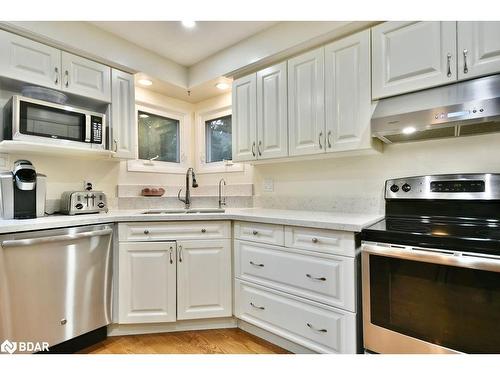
column 22, row 192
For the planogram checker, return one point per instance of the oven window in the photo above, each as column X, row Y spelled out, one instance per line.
column 50, row 122
column 454, row 307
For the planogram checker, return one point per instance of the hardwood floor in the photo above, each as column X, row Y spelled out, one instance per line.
column 214, row 341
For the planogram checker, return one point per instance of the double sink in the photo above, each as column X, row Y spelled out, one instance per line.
column 184, row 211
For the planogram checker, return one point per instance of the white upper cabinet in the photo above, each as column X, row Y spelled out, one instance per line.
column 204, row 279
column 244, row 106
column 123, row 117
column 306, row 112
column 147, row 280
column 26, row 60
column 272, row 121
column 478, row 48
column 347, row 93
column 85, row 77
column 410, row 56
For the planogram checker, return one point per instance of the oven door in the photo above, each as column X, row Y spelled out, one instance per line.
column 429, row 301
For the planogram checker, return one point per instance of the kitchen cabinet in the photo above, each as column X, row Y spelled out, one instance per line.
column 478, row 48
column 347, row 93
column 244, row 132
column 306, row 112
column 204, row 279
column 147, row 282
column 410, row 56
column 272, row 117
column 123, row 138
column 85, row 77
column 26, row 60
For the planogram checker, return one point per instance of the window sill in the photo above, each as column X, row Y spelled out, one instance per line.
column 219, row 167
column 155, row 167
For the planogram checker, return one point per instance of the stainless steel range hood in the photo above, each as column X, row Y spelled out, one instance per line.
column 464, row 108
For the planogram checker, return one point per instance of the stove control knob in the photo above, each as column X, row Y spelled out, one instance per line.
column 406, row 188
column 394, row 188
column 79, row 206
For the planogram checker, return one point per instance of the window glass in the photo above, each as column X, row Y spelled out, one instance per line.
column 218, row 139
column 158, row 137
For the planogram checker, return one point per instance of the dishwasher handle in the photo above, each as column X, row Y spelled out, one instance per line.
column 50, row 239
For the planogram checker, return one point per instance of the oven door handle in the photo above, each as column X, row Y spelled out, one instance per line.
column 435, row 256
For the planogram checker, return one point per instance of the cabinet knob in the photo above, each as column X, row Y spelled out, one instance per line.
column 314, row 240
column 255, row 233
column 203, row 230
column 146, row 231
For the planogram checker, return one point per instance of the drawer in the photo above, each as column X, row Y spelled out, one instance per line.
column 322, row 240
column 317, row 327
column 265, row 233
column 324, row 278
column 176, row 230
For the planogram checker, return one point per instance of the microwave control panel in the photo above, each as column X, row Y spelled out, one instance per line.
column 96, row 129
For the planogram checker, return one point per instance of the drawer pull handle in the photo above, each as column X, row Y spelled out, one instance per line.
column 314, row 240
column 257, row 307
column 146, row 231
column 316, row 278
column 171, row 260
column 316, row 329
column 203, row 230
column 255, row 233
column 256, row 264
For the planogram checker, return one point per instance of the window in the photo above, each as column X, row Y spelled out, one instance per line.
column 218, row 139
column 158, row 137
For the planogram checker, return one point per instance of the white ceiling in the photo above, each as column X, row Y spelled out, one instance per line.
column 184, row 46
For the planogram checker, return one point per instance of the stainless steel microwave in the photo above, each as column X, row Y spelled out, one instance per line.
column 38, row 121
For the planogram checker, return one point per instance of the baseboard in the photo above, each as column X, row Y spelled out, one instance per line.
column 186, row 325
column 274, row 339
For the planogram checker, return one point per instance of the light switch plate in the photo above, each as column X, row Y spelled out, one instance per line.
column 268, row 185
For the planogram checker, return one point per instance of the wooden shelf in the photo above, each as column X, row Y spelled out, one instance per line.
column 29, row 148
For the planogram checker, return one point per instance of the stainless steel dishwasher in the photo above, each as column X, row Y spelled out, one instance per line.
column 55, row 284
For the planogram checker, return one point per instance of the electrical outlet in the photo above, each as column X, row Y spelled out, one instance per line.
column 268, row 185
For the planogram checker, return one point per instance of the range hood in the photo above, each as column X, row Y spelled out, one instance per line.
column 464, row 108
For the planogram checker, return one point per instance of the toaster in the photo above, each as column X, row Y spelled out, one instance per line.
column 83, row 202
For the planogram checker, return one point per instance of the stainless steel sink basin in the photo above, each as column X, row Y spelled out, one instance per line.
column 181, row 211
column 205, row 211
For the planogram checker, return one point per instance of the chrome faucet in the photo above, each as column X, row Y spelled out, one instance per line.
column 222, row 200
column 187, row 199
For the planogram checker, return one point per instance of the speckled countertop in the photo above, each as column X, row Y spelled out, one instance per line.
column 352, row 222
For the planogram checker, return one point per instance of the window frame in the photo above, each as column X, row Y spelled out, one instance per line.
column 155, row 166
column 201, row 144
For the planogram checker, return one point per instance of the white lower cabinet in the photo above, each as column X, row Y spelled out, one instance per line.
column 204, row 279
column 147, row 279
column 315, row 326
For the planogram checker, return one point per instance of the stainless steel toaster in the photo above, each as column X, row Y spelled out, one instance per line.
column 83, row 202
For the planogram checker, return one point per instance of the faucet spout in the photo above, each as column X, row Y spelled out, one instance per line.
column 187, row 199
column 222, row 199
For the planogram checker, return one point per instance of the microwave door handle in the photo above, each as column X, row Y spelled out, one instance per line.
column 87, row 129
column 447, row 258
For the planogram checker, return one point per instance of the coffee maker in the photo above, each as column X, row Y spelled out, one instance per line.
column 22, row 192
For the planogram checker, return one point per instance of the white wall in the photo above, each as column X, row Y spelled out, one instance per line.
column 322, row 183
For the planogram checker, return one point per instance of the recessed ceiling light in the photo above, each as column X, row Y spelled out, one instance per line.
column 409, row 130
column 143, row 115
column 145, row 82
column 188, row 24
column 222, row 85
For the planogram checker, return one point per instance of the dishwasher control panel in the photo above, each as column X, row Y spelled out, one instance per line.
column 83, row 202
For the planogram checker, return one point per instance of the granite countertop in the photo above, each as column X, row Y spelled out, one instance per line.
column 352, row 222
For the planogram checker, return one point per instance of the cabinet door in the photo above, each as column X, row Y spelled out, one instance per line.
column 123, row 138
column 347, row 93
column 147, row 282
column 478, row 48
column 85, row 77
column 306, row 112
column 244, row 118
column 204, row 279
column 272, row 117
column 28, row 61
column 410, row 56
